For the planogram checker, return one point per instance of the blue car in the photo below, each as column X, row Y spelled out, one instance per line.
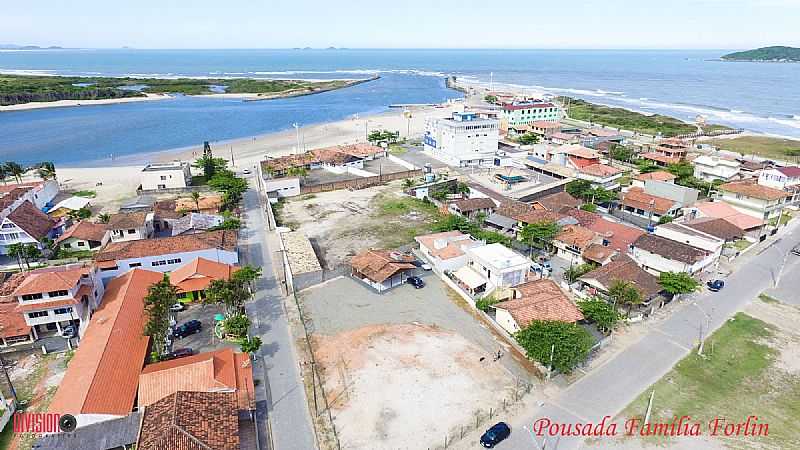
column 716, row 285
column 496, row 434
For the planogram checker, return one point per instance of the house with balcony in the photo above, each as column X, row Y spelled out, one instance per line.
column 28, row 225
column 445, row 250
column 713, row 168
column 131, row 226
column 643, row 209
column 783, row 178
column 53, row 298
column 601, row 175
column 574, row 156
column 492, row 269
column 762, row 202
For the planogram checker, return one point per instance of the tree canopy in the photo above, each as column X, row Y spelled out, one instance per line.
column 541, row 233
column 678, row 283
column 625, row 293
column 572, row 343
column 528, row 139
column 600, row 312
column 160, row 296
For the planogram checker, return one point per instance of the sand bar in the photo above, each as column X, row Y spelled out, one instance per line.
column 72, row 103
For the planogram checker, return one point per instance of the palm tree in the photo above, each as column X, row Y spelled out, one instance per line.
column 47, row 170
column 17, row 250
column 3, row 173
column 14, row 170
column 104, row 218
column 196, row 198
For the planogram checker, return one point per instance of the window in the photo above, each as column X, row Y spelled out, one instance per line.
column 67, row 245
column 131, row 231
column 174, row 261
column 8, row 225
column 27, row 297
column 81, row 244
column 136, row 264
column 158, row 263
column 108, row 269
column 60, row 293
column 63, row 310
column 36, row 314
column 163, row 177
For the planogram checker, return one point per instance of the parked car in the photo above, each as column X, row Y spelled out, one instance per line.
column 796, row 250
column 426, row 267
column 416, row 282
column 716, row 285
column 178, row 353
column 246, row 171
column 69, row 332
column 494, row 435
column 188, row 328
column 177, row 307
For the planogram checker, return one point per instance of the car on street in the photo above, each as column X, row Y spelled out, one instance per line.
column 177, row 307
column 246, row 171
column 426, row 267
column 496, row 434
column 796, row 250
column 69, row 332
column 178, row 353
column 188, row 328
column 416, row 282
column 715, row 285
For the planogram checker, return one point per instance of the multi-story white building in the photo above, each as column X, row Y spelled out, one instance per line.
column 711, row 168
column 690, row 236
column 51, row 299
column 170, row 175
column 755, row 200
column 783, row 178
column 491, row 268
column 27, row 225
column 601, row 175
column 463, row 140
column 526, row 113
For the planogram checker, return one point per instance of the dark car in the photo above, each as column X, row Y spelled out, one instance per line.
column 495, row 434
column 416, row 282
column 796, row 250
column 716, row 285
column 178, row 353
column 190, row 327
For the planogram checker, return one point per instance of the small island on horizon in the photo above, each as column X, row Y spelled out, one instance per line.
column 766, row 54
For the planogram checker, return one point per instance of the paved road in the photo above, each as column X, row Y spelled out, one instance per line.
column 283, row 395
column 611, row 387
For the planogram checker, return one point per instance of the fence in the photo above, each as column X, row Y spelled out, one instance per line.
column 359, row 183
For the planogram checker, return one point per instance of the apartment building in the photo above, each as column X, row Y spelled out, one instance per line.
column 762, row 202
column 462, row 140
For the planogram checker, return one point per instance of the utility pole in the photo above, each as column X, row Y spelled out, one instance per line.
column 649, row 407
column 233, row 163
column 297, row 132
column 552, row 352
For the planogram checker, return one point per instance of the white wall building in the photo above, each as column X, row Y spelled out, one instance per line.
column 500, row 266
column 131, row 226
column 695, row 238
column 710, row 168
column 783, row 178
column 26, row 224
column 445, row 251
column 761, row 202
column 657, row 254
column 170, row 175
column 463, row 140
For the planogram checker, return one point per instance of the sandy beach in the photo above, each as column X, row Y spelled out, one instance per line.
column 115, row 184
column 71, row 103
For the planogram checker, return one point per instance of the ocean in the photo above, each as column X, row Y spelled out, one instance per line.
column 762, row 97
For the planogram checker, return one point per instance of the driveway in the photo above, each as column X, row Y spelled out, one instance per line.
column 346, row 304
column 204, row 341
column 610, row 388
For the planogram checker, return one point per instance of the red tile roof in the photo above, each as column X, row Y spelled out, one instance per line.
column 125, row 220
column 378, row 265
column 540, row 300
column 638, row 198
column 600, row 170
column 191, row 421
column 12, row 322
column 717, row 227
column 221, row 370
column 623, row 268
column 220, row 239
column 36, row 223
column 197, row 274
column 452, row 248
column 559, row 200
column 792, row 172
column 85, row 230
column 655, row 156
column 750, row 189
column 575, row 235
column 619, row 236
column 598, row 253
column 670, row 249
column 474, row 204
column 103, row 375
column 658, row 175
column 538, row 216
column 46, row 281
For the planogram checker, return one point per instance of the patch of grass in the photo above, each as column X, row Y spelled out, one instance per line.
column 628, row 120
column 308, row 197
column 86, row 193
column 767, row 147
column 735, row 379
column 6, row 436
column 199, row 180
column 742, row 244
column 396, row 149
column 405, row 205
column 768, row 299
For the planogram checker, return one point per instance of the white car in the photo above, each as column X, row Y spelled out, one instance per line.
column 177, row 307
column 426, row 267
column 246, row 171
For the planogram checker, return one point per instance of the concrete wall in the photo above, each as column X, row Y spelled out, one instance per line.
column 359, row 183
column 683, row 195
column 285, row 187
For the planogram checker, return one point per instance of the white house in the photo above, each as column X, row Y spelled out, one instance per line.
column 168, row 253
column 762, row 202
column 710, row 168
column 53, row 298
column 601, row 175
column 690, row 236
column 535, row 300
column 445, row 251
column 463, row 140
column 131, row 226
column 657, row 254
column 170, row 175
column 492, row 267
column 282, row 187
column 84, row 235
column 783, row 178
column 26, row 224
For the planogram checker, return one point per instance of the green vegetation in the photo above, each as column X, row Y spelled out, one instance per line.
column 621, row 153
column 397, row 149
column 160, row 296
column 583, row 190
column 676, row 283
column 624, row 293
column 250, row 345
column 600, row 312
column 452, row 222
column 378, row 136
column 490, row 99
column 528, row 139
column 539, row 234
column 737, row 377
column 591, row 207
column 740, row 244
column 572, row 343
column 772, row 54
column 767, row 147
column 628, row 120
column 237, row 326
column 232, row 293
column 15, row 89
column 86, row 194
column 484, row 303
column 768, row 299
column 665, row 219
column 572, row 273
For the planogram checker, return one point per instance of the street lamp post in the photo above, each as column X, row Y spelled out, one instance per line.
column 297, row 132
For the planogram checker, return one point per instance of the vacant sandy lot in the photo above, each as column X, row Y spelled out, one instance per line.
column 406, row 386
column 342, row 223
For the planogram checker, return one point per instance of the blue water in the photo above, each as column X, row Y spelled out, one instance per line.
column 682, row 83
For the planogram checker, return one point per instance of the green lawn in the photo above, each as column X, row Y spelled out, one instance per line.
column 736, row 378
column 628, row 120
column 740, row 244
column 766, row 147
column 87, row 194
column 397, row 220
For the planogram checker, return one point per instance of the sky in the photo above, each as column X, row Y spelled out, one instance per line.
column 707, row 24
